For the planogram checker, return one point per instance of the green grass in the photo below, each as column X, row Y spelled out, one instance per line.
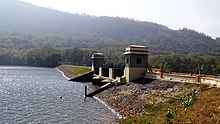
column 203, row 110
column 138, row 120
column 156, row 114
column 79, row 70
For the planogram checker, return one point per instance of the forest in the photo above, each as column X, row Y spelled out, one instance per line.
column 36, row 36
column 51, row 57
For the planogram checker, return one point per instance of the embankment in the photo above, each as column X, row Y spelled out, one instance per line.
column 67, row 71
column 148, row 100
column 130, row 99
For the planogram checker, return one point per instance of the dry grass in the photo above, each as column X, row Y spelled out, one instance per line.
column 205, row 110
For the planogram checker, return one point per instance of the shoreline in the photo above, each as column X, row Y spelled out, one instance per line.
column 109, row 107
column 62, row 73
column 66, row 72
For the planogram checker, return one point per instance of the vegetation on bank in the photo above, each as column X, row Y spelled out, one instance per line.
column 204, row 109
column 79, row 70
column 186, row 63
column 45, row 57
column 72, row 71
column 52, row 57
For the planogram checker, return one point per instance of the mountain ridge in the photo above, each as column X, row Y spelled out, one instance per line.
column 24, row 18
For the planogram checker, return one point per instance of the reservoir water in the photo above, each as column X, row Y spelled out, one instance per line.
column 42, row 95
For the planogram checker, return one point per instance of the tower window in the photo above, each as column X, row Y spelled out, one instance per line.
column 127, row 60
column 139, row 60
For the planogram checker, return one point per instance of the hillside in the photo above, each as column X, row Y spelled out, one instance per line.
column 203, row 110
column 25, row 26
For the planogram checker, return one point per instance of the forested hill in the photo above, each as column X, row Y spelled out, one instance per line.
column 24, row 16
column 26, row 26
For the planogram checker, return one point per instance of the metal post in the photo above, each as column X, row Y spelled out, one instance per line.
column 200, row 68
column 85, row 91
column 200, row 80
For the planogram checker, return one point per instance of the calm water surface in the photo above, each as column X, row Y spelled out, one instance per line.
column 42, row 95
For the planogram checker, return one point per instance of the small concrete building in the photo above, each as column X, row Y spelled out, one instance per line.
column 218, row 39
column 97, row 61
column 136, row 62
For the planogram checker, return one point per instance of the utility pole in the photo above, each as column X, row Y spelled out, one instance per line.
column 200, row 68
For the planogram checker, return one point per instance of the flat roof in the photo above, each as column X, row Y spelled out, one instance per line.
column 97, row 55
column 138, row 46
column 136, row 49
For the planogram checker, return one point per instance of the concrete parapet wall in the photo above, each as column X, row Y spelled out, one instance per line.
column 152, row 75
column 181, row 78
column 210, row 80
column 185, row 78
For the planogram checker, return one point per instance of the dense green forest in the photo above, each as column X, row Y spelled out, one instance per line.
column 45, row 57
column 36, row 36
column 186, row 63
column 50, row 57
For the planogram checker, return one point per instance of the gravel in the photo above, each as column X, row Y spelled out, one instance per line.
column 130, row 99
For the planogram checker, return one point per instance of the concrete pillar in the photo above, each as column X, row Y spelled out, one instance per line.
column 161, row 73
column 197, row 78
column 111, row 73
column 93, row 68
column 100, row 71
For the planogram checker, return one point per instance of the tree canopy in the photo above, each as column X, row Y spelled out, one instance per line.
column 35, row 36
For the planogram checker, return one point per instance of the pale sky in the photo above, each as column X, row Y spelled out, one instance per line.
column 200, row 15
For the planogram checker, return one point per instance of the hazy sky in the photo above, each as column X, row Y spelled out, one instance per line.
column 200, row 15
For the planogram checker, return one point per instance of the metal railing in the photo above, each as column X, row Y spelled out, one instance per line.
column 111, row 65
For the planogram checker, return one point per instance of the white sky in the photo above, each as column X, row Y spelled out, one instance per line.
column 200, row 15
